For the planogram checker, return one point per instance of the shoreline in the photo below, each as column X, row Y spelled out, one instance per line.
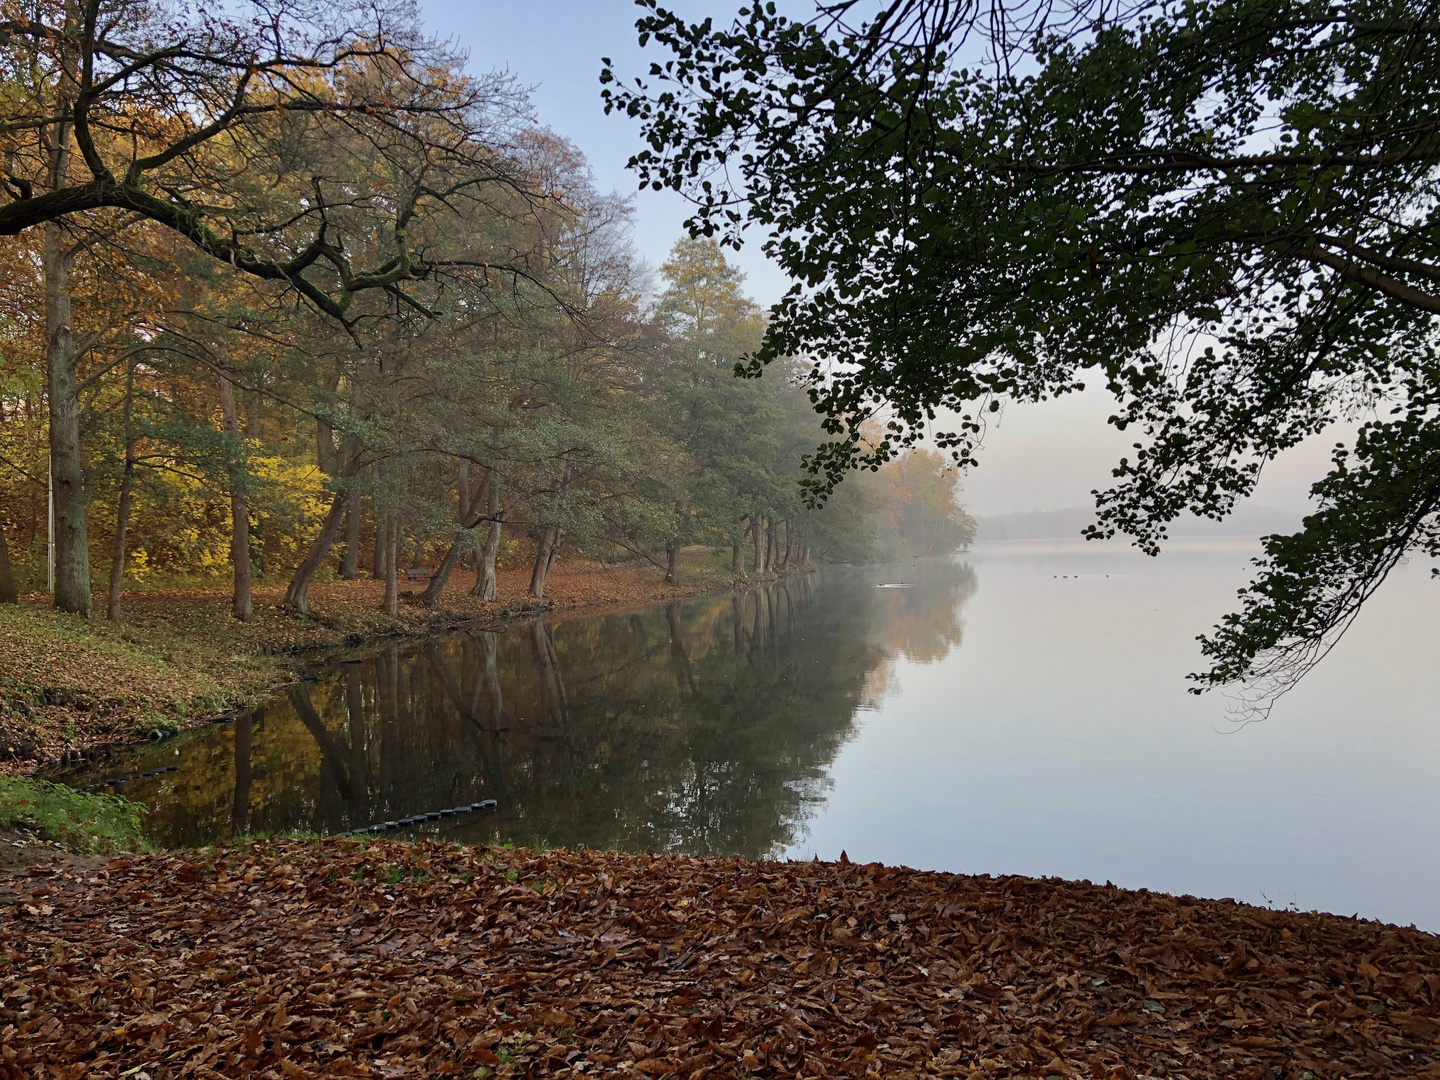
column 177, row 659
column 410, row 959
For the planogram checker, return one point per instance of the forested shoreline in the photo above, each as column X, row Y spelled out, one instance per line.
column 371, row 318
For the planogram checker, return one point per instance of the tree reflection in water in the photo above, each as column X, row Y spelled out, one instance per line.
column 704, row 727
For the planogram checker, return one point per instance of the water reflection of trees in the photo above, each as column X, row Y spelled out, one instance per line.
column 702, row 727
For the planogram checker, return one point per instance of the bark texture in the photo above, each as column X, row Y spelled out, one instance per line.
column 71, row 539
column 484, row 586
column 382, row 541
column 350, row 560
column 545, row 549
column 297, row 596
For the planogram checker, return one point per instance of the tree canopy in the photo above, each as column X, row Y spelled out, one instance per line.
column 1223, row 212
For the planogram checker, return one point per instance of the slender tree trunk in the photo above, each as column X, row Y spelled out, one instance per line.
column 770, row 544
column 554, row 553
column 737, row 561
column 756, row 526
column 9, row 593
column 785, row 551
column 117, row 553
column 71, row 539
column 441, row 577
column 544, row 557
column 672, row 561
column 350, row 561
column 297, row 596
column 382, row 541
column 240, row 604
column 392, row 561
column 122, row 510
column 484, row 586
column 463, row 487
column 464, row 538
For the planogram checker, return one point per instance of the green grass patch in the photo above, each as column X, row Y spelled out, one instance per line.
column 90, row 824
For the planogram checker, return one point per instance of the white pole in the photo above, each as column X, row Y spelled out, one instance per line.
column 50, row 540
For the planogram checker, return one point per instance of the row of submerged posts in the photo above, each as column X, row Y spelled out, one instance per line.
column 420, row 819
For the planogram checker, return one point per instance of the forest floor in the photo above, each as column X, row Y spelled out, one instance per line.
column 289, row 959
column 176, row 658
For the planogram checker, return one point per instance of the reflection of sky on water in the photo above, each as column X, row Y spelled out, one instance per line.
column 825, row 714
column 1060, row 740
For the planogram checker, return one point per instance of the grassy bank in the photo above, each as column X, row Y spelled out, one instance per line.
column 416, row 960
column 177, row 658
column 34, row 811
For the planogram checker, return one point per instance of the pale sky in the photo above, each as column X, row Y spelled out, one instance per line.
column 1042, row 457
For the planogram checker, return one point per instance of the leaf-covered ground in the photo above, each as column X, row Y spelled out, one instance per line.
column 177, row 657
column 300, row 959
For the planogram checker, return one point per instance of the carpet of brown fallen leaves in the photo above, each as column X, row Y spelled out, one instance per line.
column 295, row 959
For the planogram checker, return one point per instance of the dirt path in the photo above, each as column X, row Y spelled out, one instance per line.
column 414, row 960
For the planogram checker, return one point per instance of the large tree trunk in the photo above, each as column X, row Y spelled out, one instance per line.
column 240, row 603
column 441, row 577
column 757, row 533
column 297, row 596
column 71, row 538
column 545, row 548
column 9, row 593
column 350, row 561
column 737, row 562
column 464, row 538
column 785, row 548
column 392, row 563
column 770, row 544
column 484, row 586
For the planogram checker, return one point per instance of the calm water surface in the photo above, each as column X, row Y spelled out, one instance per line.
column 1018, row 709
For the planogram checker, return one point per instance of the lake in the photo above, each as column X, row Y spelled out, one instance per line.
column 1020, row 708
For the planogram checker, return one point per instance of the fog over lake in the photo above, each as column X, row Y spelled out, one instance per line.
column 1058, row 739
